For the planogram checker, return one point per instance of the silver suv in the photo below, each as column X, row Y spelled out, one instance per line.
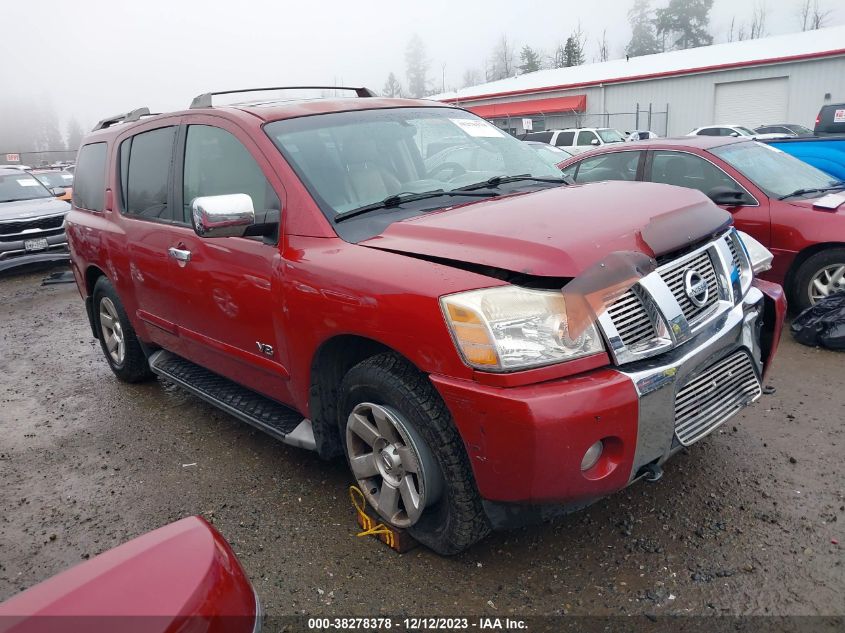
column 31, row 221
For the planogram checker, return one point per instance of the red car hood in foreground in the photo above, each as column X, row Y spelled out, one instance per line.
column 182, row 577
column 560, row 232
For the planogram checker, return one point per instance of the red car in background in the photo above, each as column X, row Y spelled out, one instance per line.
column 182, row 577
column 792, row 208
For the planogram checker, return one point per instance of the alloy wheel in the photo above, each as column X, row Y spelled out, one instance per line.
column 391, row 463
column 827, row 281
column 112, row 331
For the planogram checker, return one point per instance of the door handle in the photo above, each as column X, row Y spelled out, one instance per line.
column 181, row 256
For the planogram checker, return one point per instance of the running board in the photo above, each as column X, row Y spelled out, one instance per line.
column 265, row 414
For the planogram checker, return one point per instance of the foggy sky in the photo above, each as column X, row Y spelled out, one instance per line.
column 93, row 58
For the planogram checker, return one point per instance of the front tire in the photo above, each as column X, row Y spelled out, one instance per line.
column 821, row 275
column 117, row 337
column 407, row 456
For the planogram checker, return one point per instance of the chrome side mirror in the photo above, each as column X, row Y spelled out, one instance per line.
column 595, row 141
column 57, row 192
column 222, row 216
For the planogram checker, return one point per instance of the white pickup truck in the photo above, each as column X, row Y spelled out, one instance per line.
column 577, row 140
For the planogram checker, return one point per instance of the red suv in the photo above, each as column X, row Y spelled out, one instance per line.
column 486, row 345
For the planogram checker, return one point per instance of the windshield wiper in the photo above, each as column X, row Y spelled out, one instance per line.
column 495, row 181
column 803, row 192
column 401, row 198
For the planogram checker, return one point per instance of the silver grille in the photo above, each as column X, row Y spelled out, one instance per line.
column 631, row 320
column 734, row 255
column 674, row 278
column 712, row 397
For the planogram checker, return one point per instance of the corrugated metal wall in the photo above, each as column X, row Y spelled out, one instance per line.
column 691, row 98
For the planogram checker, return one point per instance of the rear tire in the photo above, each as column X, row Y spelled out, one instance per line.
column 117, row 337
column 819, row 273
column 453, row 519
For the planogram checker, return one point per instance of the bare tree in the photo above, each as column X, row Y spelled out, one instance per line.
column 558, row 58
column 501, row 62
column 804, row 11
column 604, row 53
column 471, row 78
column 820, row 15
column 758, row 20
column 813, row 15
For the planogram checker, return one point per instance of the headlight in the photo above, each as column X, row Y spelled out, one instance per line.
column 759, row 256
column 509, row 328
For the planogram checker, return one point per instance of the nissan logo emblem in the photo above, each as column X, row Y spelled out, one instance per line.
column 695, row 287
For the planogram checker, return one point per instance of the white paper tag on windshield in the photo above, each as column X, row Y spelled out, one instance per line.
column 27, row 182
column 67, row 176
column 830, row 201
column 474, row 127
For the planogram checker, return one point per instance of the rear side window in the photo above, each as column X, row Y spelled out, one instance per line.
column 686, row 170
column 586, row 138
column 89, row 186
column 541, row 137
column 564, row 139
column 216, row 163
column 145, row 161
column 615, row 166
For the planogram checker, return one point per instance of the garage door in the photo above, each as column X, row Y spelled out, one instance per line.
column 752, row 103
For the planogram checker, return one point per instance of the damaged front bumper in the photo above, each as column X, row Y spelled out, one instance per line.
column 526, row 444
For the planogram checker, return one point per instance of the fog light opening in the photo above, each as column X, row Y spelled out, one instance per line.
column 591, row 457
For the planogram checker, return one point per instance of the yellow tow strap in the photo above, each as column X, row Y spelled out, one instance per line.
column 371, row 528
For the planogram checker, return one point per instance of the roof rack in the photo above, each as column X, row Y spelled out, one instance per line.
column 134, row 115
column 204, row 100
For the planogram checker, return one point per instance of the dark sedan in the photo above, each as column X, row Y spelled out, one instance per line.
column 792, row 208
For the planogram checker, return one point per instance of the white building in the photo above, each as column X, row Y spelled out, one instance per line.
column 781, row 79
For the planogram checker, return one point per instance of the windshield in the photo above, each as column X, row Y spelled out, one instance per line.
column 52, row 179
column 745, row 131
column 21, row 186
column 552, row 155
column 611, row 136
column 775, row 172
column 349, row 160
column 800, row 129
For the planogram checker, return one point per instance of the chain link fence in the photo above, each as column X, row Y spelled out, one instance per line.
column 641, row 117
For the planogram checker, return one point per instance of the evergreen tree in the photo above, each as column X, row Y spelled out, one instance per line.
column 643, row 38
column 530, row 60
column 573, row 50
column 392, row 87
column 684, row 23
column 416, row 67
column 74, row 134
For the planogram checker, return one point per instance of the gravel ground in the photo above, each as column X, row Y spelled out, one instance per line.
column 745, row 522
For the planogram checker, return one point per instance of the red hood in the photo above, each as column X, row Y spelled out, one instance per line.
column 181, row 577
column 560, row 232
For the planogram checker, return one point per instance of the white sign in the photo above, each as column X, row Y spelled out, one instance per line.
column 477, row 127
column 839, row 116
column 13, row 158
column 527, row 124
